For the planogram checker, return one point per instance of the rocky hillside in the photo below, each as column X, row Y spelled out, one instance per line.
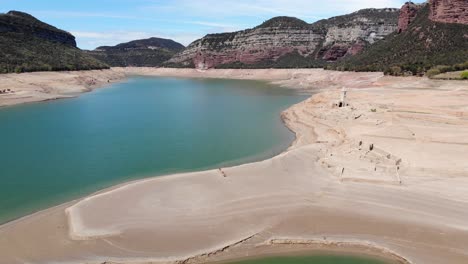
column 421, row 43
column 290, row 42
column 27, row 44
column 150, row 52
column 350, row 34
column 449, row 11
column 269, row 41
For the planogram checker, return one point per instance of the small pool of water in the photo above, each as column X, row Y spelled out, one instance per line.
column 317, row 259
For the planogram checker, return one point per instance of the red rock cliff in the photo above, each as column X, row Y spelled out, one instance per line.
column 449, row 11
column 407, row 15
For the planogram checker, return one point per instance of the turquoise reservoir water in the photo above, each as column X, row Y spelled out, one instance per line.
column 56, row 151
column 317, row 259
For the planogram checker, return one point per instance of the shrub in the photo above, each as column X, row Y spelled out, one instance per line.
column 464, row 75
column 443, row 68
column 461, row 66
column 19, row 69
column 432, row 72
column 395, row 70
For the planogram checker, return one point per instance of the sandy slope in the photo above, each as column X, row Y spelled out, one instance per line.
column 406, row 197
column 43, row 86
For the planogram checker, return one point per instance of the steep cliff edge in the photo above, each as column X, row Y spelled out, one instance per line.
column 150, row 52
column 27, row 44
column 290, row 42
column 424, row 44
column 408, row 13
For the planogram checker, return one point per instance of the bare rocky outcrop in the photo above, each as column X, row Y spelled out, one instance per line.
column 270, row 40
column 408, row 13
column 449, row 11
column 325, row 40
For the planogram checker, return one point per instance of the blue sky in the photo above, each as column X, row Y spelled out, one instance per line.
column 109, row 22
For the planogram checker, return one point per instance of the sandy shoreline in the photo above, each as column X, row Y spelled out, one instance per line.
column 44, row 86
column 329, row 189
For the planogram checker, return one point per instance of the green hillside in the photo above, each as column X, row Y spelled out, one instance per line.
column 27, row 44
column 150, row 52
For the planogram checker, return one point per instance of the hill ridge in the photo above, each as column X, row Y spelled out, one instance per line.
column 150, row 52
column 28, row 44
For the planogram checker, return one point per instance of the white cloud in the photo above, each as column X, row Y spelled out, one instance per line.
column 306, row 9
column 210, row 16
column 67, row 14
column 208, row 24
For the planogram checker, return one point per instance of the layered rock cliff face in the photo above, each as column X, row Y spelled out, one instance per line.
column 271, row 40
column 23, row 23
column 325, row 40
column 449, row 11
column 150, row 52
column 350, row 34
column 408, row 13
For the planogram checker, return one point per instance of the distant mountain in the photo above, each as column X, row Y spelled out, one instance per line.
column 150, row 52
column 27, row 44
column 411, row 40
column 290, row 42
column 433, row 35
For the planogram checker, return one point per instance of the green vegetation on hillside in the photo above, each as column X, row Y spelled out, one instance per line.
column 27, row 44
column 150, row 52
column 284, row 22
column 137, row 58
column 150, row 43
column 20, row 22
column 288, row 61
column 424, row 46
column 25, row 53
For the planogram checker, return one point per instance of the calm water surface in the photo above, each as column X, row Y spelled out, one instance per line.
column 56, row 151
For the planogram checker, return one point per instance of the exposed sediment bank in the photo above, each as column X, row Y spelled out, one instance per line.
column 386, row 175
column 43, row 86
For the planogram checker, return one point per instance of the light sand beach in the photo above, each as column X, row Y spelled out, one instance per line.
column 44, row 86
column 386, row 176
